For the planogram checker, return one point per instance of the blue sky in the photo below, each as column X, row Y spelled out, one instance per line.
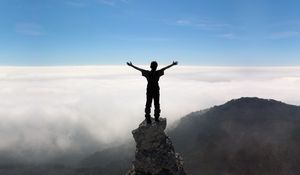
column 194, row 32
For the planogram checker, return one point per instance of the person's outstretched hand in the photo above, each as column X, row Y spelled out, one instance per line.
column 174, row 63
column 129, row 63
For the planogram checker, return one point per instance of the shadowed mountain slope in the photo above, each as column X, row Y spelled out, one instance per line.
column 246, row 136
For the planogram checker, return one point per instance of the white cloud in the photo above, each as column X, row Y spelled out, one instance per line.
column 82, row 109
column 76, row 3
column 29, row 29
column 83, row 3
column 111, row 2
column 204, row 24
column 284, row 35
column 107, row 2
column 228, row 36
column 183, row 22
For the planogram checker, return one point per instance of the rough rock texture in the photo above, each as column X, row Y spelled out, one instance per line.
column 155, row 153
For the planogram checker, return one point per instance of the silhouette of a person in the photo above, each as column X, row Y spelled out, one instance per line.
column 152, row 77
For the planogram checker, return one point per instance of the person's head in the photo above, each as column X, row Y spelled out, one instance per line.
column 153, row 65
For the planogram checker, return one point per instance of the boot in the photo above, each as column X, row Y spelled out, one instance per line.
column 156, row 119
column 148, row 119
column 156, row 114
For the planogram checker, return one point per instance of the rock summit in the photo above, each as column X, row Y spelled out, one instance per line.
column 155, row 154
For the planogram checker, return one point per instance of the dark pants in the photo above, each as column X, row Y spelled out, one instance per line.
column 152, row 94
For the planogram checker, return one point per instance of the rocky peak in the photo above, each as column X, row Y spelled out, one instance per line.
column 155, row 153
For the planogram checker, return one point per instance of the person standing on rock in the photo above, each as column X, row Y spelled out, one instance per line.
column 152, row 77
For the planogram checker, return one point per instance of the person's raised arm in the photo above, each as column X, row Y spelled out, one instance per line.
column 167, row 67
column 131, row 65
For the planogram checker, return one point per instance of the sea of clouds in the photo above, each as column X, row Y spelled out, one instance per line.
column 50, row 110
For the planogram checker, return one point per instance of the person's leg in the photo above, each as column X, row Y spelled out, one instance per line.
column 148, row 107
column 156, row 106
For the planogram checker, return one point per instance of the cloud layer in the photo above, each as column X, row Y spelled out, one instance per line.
column 50, row 110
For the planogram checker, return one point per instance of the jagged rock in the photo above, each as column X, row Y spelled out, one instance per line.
column 155, row 153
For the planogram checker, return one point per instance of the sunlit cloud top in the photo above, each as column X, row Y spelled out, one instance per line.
column 54, row 110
